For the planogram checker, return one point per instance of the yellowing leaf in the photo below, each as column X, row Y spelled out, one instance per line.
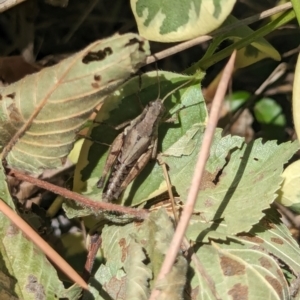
column 254, row 52
column 138, row 274
column 289, row 194
column 63, row 97
column 296, row 98
column 75, row 152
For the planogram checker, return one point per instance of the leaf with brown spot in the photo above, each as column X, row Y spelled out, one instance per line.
column 114, row 249
column 124, row 249
column 236, row 273
column 276, row 263
column 266, row 266
column 132, row 257
column 285, row 248
column 234, row 204
column 231, row 267
column 97, row 77
column 276, row 285
column 239, row 292
column 265, row 263
column 277, row 241
column 47, row 108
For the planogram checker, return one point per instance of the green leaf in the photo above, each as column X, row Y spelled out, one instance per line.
column 122, row 106
column 174, row 21
column 184, row 146
column 237, row 99
column 74, row 292
column 26, row 272
column 227, row 203
column 158, row 232
column 296, row 8
column 73, row 250
column 253, row 51
column 66, row 94
column 269, row 114
column 251, row 54
column 155, row 235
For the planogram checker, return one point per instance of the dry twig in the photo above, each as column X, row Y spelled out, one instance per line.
column 198, row 173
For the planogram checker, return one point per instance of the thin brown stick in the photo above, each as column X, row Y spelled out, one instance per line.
column 198, row 173
column 137, row 213
column 95, row 243
column 200, row 268
column 201, row 39
column 186, row 244
column 44, row 246
column 169, row 186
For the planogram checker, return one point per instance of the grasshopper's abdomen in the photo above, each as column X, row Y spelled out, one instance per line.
column 119, row 174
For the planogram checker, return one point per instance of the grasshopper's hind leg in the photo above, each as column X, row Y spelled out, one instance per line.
column 154, row 148
column 111, row 158
column 134, row 172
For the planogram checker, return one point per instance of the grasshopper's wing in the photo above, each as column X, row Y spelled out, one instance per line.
column 111, row 158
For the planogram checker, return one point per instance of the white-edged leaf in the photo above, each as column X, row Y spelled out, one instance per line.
column 174, row 21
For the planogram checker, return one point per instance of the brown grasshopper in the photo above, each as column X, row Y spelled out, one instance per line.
column 132, row 149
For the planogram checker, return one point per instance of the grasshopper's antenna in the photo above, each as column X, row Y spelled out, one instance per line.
column 158, row 82
column 176, row 89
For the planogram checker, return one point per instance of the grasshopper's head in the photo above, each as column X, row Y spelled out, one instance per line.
column 156, row 108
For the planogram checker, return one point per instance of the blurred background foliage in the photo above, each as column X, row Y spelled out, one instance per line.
column 47, row 31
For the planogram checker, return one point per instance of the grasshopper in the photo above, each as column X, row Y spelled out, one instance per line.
column 132, row 149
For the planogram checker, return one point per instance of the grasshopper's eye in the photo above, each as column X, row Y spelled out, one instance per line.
column 153, row 103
